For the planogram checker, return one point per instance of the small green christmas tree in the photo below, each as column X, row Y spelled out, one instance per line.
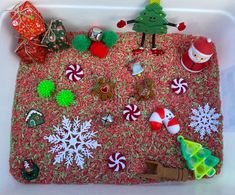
column 152, row 20
column 198, row 159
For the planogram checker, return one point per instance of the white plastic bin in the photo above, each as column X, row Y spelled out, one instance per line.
column 211, row 18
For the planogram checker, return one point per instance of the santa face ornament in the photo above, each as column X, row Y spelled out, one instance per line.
column 198, row 55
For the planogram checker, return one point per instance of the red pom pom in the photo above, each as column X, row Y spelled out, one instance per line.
column 99, row 49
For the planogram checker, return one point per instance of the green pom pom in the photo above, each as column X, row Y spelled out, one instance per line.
column 81, row 43
column 45, row 88
column 65, row 98
column 109, row 38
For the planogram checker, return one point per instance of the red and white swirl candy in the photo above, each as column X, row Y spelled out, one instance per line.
column 74, row 72
column 131, row 112
column 179, row 86
column 117, row 162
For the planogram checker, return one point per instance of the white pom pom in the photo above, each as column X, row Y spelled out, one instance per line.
column 209, row 40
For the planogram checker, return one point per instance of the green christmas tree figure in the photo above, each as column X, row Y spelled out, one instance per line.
column 198, row 159
column 152, row 20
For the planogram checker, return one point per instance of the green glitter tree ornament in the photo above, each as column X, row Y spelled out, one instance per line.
column 81, row 43
column 198, row 159
column 45, row 88
column 65, row 98
column 109, row 38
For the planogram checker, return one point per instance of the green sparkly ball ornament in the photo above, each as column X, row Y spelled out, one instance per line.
column 45, row 88
column 81, row 43
column 65, row 98
column 109, row 38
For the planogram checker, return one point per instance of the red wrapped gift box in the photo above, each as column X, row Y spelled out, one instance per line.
column 31, row 51
column 27, row 20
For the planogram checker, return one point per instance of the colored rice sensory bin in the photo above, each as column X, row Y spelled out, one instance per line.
column 136, row 99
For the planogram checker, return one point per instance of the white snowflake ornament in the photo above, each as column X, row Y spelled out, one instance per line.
column 204, row 120
column 72, row 141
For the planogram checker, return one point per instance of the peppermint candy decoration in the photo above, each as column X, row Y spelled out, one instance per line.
column 74, row 72
column 131, row 112
column 117, row 162
column 179, row 86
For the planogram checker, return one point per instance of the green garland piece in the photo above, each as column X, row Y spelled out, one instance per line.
column 31, row 176
column 45, row 88
column 65, row 98
column 81, row 43
column 109, row 38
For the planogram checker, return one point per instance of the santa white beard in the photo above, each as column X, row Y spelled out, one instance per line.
column 196, row 56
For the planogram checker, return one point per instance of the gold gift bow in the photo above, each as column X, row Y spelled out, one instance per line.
column 25, row 43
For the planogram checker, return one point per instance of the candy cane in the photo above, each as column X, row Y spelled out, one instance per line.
column 164, row 116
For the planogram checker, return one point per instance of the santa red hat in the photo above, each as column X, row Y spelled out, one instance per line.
column 204, row 46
